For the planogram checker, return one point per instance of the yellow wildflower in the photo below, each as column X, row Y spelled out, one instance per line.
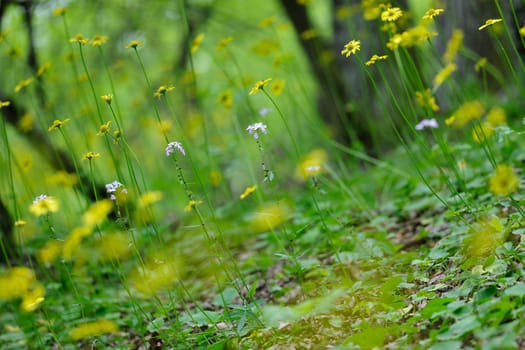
column 311, row 164
column 496, row 116
column 394, row 42
column 43, row 68
column 277, row 87
column 99, row 40
column 4, row 104
column 114, row 246
column 522, row 31
column 191, row 205
column 43, row 205
column 79, row 38
column 62, row 178
column 107, row 98
column 16, row 282
column 480, row 64
column 351, row 48
column 59, row 11
column 270, row 216
column 133, row 44
column 25, row 123
column 91, row 329
column 450, row 120
column 453, row 46
column 23, row 83
column 467, row 112
column 90, row 155
column 224, row 42
column 267, row 21
column 215, row 177
column 504, row 181
column 259, row 85
column 481, row 132
column 490, row 22
column 226, row 98
column 58, row 124
column 197, row 42
column 33, row 298
column 50, row 252
column 73, row 240
column 308, row 34
column 248, row 191
column 432, row 13
column 149, row 198
column 391, row 14
column 375, row 58
column 97, row 213
column 104, row 129
column 20, row 223
column 416, row 36
column 425, row 99
column 443, row 74
column 159, row 273
column 161, row 91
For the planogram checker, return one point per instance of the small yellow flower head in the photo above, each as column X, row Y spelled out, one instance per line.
column 191, row 205
column 226, row 98
column 248, row 191
column 133, row 44
column 117, row 135
column 443, row 74
column 20, row 223
column 50, row 252
column 215, row 177
column 114, row 246
column 33, row 298
column 224, row 42
column 259, row 86
column 43, row 205
column 59, row 11
column 90, row 329
column 99, row 40
column 149, row 198
column 90, row 155
column 394, row 42
column 58, row 124
column 351, row 48
column 267, row 21
column 468, row 111
column 490, row 22
column 107, row 98
column 62, row 178
column 270, row 216
column 16, row 282
column 23, row 83
column 161, row 273
column 497, row 117
column 480, row 64
column 375, row 58
column 480, row 133
column 425, row 99
column 522, row 31
column 43, row 68
column 453, row 46
column 196, row 43
column 4, row 104
column 97, row 213
column 162, row 90
column 432, row 13
column 504, row 181
column 309, row 34
column 79, row 38
column 104, row 129
column 311, row 164
column 73, row 241
column 391, row 14
column 277, row 87
column 26, row 123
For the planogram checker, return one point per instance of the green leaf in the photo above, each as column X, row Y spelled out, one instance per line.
column 517, row 290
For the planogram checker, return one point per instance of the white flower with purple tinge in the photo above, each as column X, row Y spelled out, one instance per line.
column 427, row 123
column 174, row 146
column 112, row 187
column 255, row 128
column 264, row 111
